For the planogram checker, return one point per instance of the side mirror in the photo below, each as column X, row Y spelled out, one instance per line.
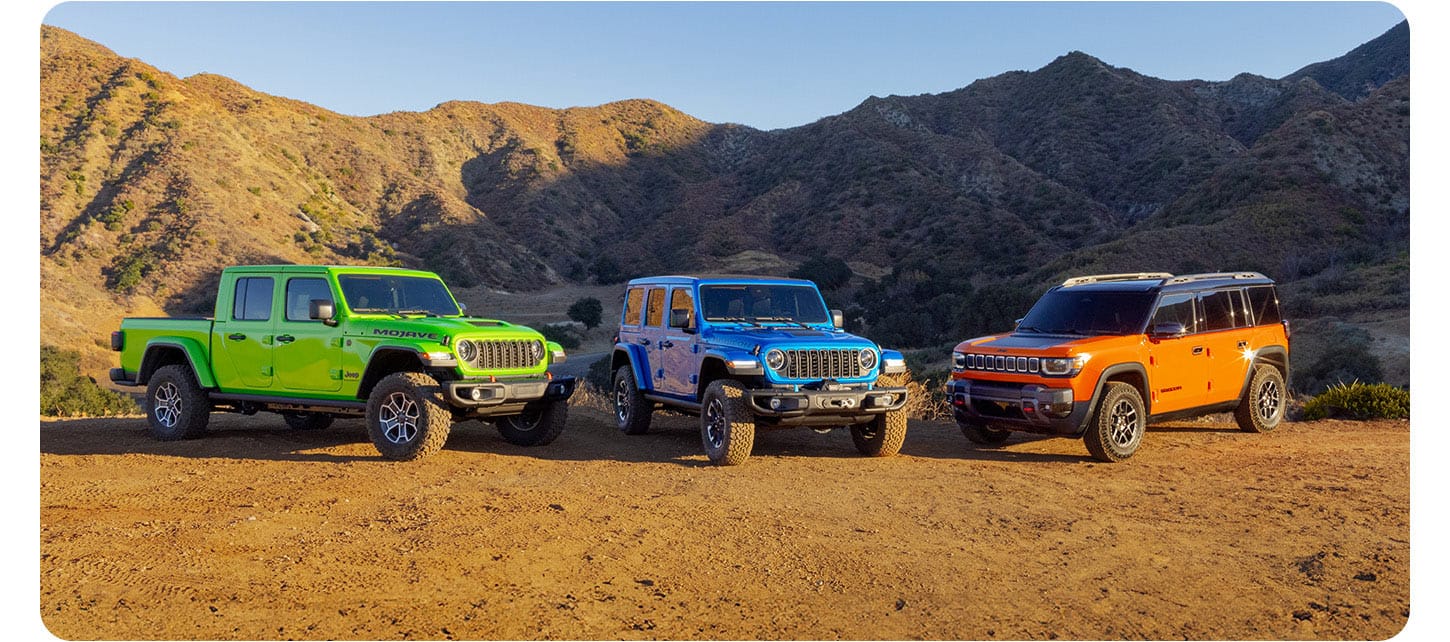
column 321, row 310
column 838, row 319
column 1167, row 330
column 680, row 319
column 463, row 307
column 1018, row 322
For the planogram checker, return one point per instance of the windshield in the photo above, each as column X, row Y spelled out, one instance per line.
column 763, row 304
column 396, row 295
column 1069, row 311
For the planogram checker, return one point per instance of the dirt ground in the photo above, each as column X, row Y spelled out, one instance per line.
column 258, row 532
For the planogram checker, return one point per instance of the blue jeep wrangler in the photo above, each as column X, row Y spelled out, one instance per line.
column 748, row 352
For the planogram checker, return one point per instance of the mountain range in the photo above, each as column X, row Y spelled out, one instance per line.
column 952, row 211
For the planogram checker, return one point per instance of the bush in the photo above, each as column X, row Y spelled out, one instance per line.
column 600, row 375
column 1357, row 400
column 828, row 272
column 65, row 392
column 588, row 311
column 560, row 336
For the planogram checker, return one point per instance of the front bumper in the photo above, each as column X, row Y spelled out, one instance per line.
column 1025, row 407
column 819, row 407
column 506, row 396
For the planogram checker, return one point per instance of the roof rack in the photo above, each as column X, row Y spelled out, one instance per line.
column 1131, row 276
column 1189, row 278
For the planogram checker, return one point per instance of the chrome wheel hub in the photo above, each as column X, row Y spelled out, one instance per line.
column 167, row 405
column 399, row 418
column 1125, row 424
column 715, row 423
column 1270, row 398
column 621, row 401
column 526, row 421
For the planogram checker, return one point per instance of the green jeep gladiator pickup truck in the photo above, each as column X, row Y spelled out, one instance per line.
column 318, row 342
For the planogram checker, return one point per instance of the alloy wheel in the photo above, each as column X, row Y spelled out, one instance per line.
column 1269, row 400
column 399, row 418
column 167, row 404
column 1124, row 424
column 715, row 423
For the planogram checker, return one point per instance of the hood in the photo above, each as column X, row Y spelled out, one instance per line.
column 1065, row 343
column 436, row 328
column 784, row 337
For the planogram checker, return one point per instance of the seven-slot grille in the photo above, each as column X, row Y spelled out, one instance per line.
column 503, row 354
column 1003, row 363
column 835, row 363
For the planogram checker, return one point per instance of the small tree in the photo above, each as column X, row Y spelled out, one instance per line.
column 588, row 311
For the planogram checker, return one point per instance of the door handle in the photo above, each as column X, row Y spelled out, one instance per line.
column 285, row 338
column 1243, row 345
column 236, row 336
column 1197, row 349
column 667, row 344
column 642, row 341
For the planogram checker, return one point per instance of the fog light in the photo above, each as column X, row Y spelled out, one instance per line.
column 775, row 403
column 475, row 394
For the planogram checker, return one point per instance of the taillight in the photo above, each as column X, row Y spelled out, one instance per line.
column 118, row 340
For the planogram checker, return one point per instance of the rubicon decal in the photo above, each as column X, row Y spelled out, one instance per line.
column 406, row 334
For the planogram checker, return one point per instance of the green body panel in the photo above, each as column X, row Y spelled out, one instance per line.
column 288, row 355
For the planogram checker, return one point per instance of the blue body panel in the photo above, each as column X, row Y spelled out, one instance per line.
column 669, row 361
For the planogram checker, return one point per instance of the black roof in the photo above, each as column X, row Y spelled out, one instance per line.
column 1165, row 282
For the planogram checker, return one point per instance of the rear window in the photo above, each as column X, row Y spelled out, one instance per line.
column 655, row 307
column 252, row 300
column 1265, row 304
column 633, row 303
column 1222, row 310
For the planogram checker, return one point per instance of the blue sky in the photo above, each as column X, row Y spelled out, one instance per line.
column 766, row 65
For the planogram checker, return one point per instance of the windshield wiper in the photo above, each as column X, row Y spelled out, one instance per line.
column 733, row 319
column 782, row 320
column 429, row 313
column 1028, row 328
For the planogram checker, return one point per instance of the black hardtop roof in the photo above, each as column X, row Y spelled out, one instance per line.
column 682, row 279
column 1162, row 281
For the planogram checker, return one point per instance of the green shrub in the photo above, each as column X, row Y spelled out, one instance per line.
column 1357, row 400
column 600, row 375
column 588, row 311
column 828, row 272
column 65, row 392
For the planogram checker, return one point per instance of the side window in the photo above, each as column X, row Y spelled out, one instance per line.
column 633, row 304
column 253, row 299
column 654, row 309
column 1265, row 304
column 1176, row 308
column 680, row 300
column 1219, row 309
column 301, row 292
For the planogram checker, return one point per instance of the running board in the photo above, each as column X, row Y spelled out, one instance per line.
column 297, row 404
column 671, row 401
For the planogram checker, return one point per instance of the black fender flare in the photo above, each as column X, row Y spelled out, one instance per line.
column 1274, row 355
column 1112, row 371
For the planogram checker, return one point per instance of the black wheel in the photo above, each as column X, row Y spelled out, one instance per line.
column 726, row 424
column 981, row 435
column 176, row 407
column 307, row 420
column 407, row 417
column 1262, row 409
column 882, row 436
column 535, row 427
column 1117, row 427
column 631, row 410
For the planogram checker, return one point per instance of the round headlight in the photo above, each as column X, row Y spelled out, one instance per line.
column 467, row 350
column 775, row 359
column 537, row 348
column 868, row 359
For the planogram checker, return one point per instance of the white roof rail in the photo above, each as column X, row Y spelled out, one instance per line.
column 1189, row 278
column 1129, row 276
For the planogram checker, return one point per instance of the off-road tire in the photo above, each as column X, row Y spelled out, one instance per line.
column 632, row 411
column 535, row 427
column 982, row 435
column 1116, row 430
column 176, row 406
column 307, row 420
column 882, row 436
column 1262, row 408
column 727, row 427
column 407, row 417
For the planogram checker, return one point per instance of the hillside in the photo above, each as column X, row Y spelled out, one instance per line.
column 952, row 209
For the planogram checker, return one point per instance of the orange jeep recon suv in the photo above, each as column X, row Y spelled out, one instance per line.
column 1102, row 356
